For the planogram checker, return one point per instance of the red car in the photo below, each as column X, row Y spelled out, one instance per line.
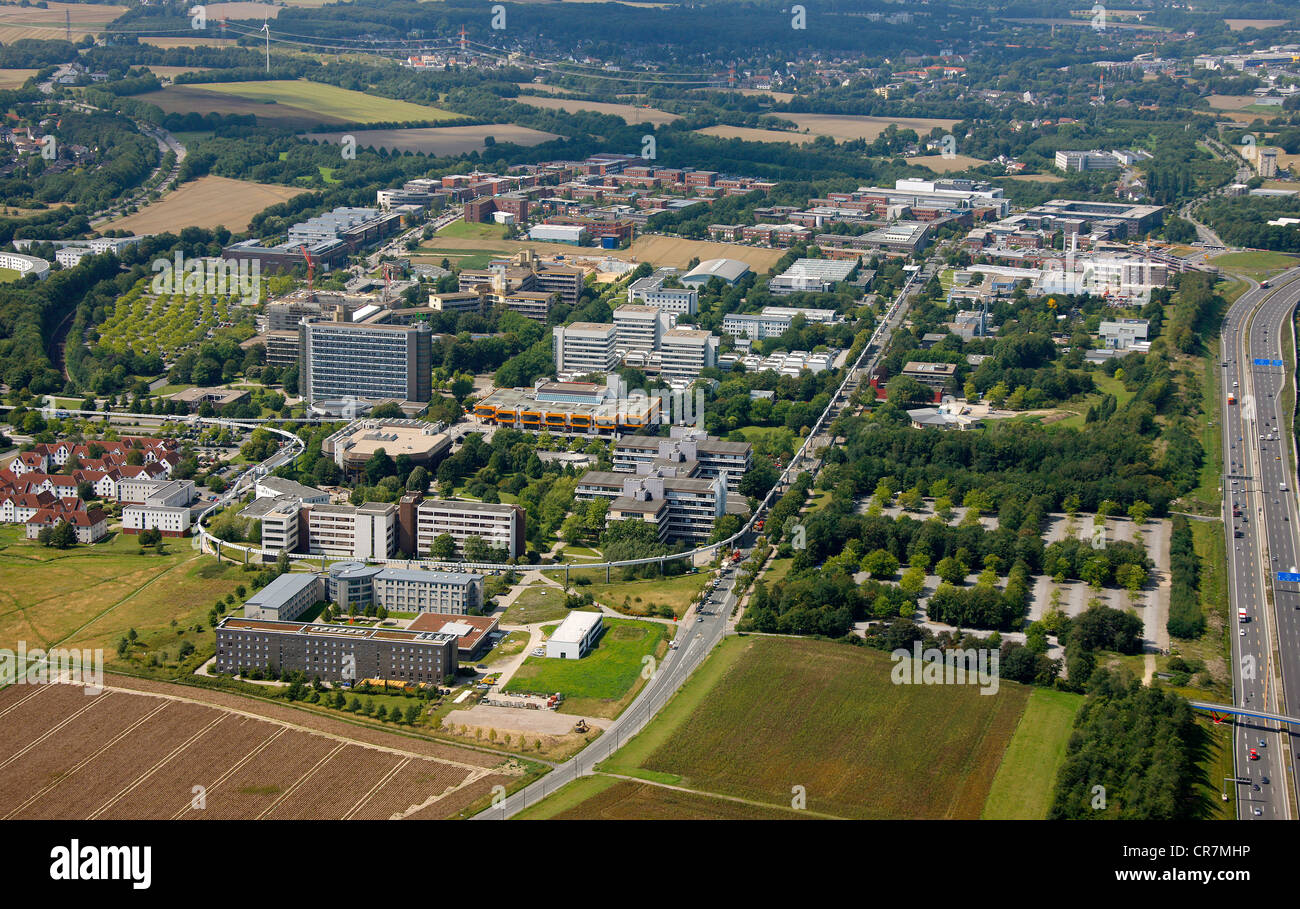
column 1254, row 755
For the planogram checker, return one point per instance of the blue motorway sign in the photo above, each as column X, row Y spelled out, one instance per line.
column 1291, row 576
column 1265, row 361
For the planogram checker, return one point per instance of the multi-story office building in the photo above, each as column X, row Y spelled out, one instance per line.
column 773, row 321
column 1086, row 160
column 280, row 519
column 650, row 291
column 372, row 361
column 812, row 275
column 638, row 327
column 680, row 507
column 685, row 351
column 335, row 652
column 713, row 457
column 500, row 526
column 169, row 520
column 348, row 531
column 584, row 347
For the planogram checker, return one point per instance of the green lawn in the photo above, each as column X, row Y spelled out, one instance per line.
column 603, row 682
column 92, row 595
column 8, row 275
column 640, row 597
column 329, row 100
column 1022, row 788
column 1255, row 265
column 538, row 603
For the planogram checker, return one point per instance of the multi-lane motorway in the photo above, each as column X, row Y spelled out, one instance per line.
column 1260, row 518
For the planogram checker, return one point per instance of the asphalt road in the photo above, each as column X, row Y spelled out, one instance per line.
column 1260, row 520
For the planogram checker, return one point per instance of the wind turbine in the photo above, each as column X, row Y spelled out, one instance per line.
column 266, row 27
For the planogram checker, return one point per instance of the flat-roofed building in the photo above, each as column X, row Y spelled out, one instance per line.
column 352, row 532
column 638, row 327
column 458, row 301
column 650, row 291
column 280, row 521
column 335, row 653
column 584, row 347
column 368, row 361
column 575, row 636
column 812, row 275
column 684, row 352
column 569, row 408
column 169, row 520
column 286, row 598
column 714, row 457
column 474, row 633
column 907, row 237
column 693, row 504
column 500, row 526
column 424, row 443
column 931, row 375
column 1123, row 333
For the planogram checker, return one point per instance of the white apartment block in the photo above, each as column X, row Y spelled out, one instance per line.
column 684, row 352
column 585, row 347
column 171, row 520
column 637, row 328
column 500, row 526
column 286, row 598
column 650, row 291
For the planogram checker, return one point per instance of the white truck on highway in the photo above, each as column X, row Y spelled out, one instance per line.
column 1241, row 615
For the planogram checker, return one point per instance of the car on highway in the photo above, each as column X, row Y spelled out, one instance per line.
column 1263, row 744
column 1254, row 755
column 1259, row 812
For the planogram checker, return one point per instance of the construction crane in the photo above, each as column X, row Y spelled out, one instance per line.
column 311, row 273
column 389, row 269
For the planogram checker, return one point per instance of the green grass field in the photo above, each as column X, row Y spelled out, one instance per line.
column 603, row 682
column 793, row 712
column 1106, row 385
column 8, row 275
column 638, row 597
column 329, row 100
column 90, row 596
column 1255, row 265
column 1022, row 788
column 471, row 231
column 538, row 603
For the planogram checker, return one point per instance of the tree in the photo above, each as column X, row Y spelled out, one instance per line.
column 475, row 549
column 443, row 548
column 1095, row 572
column 378, row 466
column 1138, row 512
column 950, row 570
column 1131, row 576
column 64, row 536
column 880, row 563
column 418, row 480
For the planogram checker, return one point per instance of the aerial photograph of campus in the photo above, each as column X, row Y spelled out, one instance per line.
column 867, row 410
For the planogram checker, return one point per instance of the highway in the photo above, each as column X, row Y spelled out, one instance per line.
column 1260, row 516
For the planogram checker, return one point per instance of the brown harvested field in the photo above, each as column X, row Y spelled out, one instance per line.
column 629, row 112
column 440, row 140
column 840, row 127
column 181, row 99
column 1237, row 25
column 14, row 78
column 1230, row 102
column 1247, row 117
column 782, row 97
column 941, row 165
column 139, row 749
column 206, row 202
column 30, row 22
column 1037, row 178
column 626, row 800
